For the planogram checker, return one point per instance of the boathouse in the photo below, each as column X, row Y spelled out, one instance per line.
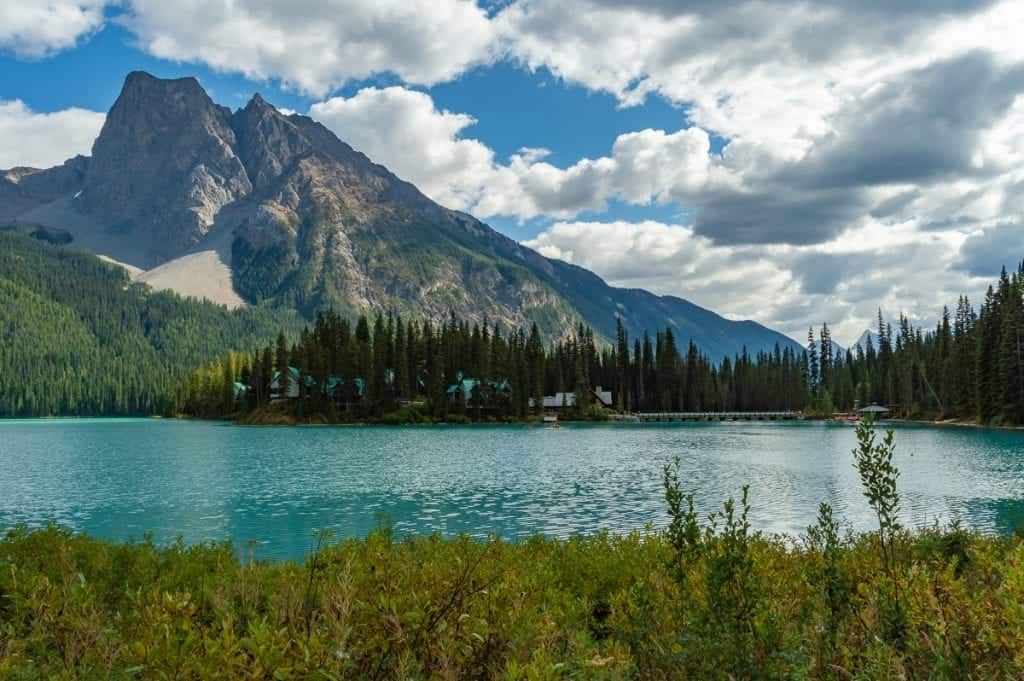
column 568, row 399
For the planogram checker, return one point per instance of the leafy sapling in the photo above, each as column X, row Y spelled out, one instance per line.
column 684, row 533
column 878, row 476
column 823, row 538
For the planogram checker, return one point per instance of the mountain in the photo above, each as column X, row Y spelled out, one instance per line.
column 837, row 349
column 24, row 188
column 255, row 206
column 863, row 340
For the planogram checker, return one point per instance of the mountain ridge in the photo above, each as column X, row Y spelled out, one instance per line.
column 299, row 218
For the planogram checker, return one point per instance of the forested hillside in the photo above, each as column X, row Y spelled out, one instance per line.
column 78, row 338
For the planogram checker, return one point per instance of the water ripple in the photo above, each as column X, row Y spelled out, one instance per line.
column 204, row 481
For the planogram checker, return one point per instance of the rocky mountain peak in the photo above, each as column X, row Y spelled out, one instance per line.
column 256, row 206
column 163, row 165
column 163, row 103
column 267, row 142
column 257, row 103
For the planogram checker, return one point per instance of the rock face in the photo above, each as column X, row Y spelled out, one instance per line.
column 24, row 188
column 163, row 166
column 303, row 220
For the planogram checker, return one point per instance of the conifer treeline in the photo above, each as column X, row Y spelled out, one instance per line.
column 971, row 366
column 507, row 373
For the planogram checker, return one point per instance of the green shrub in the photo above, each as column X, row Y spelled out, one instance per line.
column 606, row 607
column 406, row 415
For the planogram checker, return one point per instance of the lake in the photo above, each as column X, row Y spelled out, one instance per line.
column 119, row 479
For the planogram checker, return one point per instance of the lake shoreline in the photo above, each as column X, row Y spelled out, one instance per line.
column 956, row 423
column 318, row 421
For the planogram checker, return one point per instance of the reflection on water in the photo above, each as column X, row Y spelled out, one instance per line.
column 211, row 481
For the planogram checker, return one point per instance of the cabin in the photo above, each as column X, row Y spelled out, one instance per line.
column 291, row 392
column 568, row 399
column 333, row 388
column 463, row 389
column 468, row 389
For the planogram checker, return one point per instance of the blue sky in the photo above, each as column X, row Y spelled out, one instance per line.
column 787, row 162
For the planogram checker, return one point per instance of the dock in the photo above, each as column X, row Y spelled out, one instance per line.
column 712, row 416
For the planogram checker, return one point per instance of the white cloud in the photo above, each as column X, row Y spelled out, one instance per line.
column 316, row 46
column 41, row 140
column 772, row 71
column 629, row 253
column 643, row 167
column 34, row 28
column 403, row 130
column 843, row 281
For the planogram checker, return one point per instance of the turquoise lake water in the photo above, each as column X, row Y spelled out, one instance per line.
column 201, row 481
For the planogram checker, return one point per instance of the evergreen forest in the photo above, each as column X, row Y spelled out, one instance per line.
column 78, row 338
column 969, row 367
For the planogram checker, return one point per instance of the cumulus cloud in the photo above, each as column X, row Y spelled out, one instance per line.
column 834, row 113
column 41, row 140
column 643, row 167
column 630, row 252
column 842, row 281
column 772, row 70
column 33, row 29
column 402, row 129
column 921, row 127
column 741, row 196
column 316, row 46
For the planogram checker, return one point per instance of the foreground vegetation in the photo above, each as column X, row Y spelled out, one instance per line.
column 705, row 599
column 603, row 608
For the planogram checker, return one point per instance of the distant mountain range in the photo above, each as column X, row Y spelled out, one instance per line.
column 254, row 206
column 863, row 340
column 837, row 349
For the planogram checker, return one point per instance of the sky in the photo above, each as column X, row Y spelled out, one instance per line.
column 789, row 162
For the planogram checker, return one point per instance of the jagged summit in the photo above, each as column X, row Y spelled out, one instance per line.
column 144, row 79
column 163, row 166
column 255, row 206
column 257, row 102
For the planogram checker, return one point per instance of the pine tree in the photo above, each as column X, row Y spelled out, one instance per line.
column 813, row 377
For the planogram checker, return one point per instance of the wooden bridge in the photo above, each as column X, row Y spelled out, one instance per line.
column 713, row 416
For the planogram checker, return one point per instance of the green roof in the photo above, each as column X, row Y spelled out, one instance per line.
column 332, row 382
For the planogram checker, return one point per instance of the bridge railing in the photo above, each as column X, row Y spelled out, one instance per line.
column 713, row 416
